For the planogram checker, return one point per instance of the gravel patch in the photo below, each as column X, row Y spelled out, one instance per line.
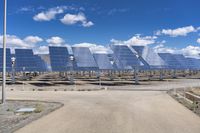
column 10, row 120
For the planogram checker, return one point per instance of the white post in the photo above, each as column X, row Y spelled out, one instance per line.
column 4, row 55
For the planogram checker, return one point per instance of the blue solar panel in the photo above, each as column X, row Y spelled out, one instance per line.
column 170, row 60
column 84, row 59
column 112, row 60
column 25, row 60
column 182, row 61
column 124, row 57
column 59, row 58
column 40, row 64
column 193, row 64
column 103, row 61
column 149, row 58
column 8, row 60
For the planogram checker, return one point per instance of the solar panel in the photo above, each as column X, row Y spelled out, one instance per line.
column 193, row 64
column 84, row 59
column 113, row 62
column 8, row 60
column 124, row 57
column 149, row 58
column 25, row 60
column 170, row 60
column 182, row 61
column 59, row 58
column 103, row 61
column 40, row 64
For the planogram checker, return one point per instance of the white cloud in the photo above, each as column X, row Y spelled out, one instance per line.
column 26, row 9
column 137, row 40
column 50, row 14
column 94, row 48
column 15, row 42
column 70, row 19
column 41, row 50
column 189, row 51
column 87, row 24
column 33, row 39
column 183, row 31
column 55, row 41
column 162, row 49
column 198, row 40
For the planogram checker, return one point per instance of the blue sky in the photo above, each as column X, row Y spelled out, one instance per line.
column 174, row 23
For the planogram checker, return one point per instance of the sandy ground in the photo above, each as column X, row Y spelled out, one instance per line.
column 119, row 111
column 112, row 112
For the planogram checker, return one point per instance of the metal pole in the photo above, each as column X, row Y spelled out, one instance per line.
column 136, row 75
column 4, row 54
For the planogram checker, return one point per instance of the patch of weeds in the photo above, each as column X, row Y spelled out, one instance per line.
column 38, row 108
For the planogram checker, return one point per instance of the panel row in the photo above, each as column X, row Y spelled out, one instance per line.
column 123, row 57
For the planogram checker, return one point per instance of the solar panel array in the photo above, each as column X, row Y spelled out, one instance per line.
column 84, row 60
column 25, row 60
column 59, row 58
column 124, row 57
column 103, row 61
column 149, row 58
column 8, row 60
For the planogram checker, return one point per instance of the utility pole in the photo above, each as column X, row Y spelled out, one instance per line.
column 4, row 55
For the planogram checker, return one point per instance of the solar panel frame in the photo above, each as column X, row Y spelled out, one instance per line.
column 182, row 61
column 40, row 64
column 8, row 60
column 103, row 61
column 125, row 58
column 25, row 60
column 171, row 61
column 59, row 59
column 193, row 64
column 149, row 58
column 84, row 60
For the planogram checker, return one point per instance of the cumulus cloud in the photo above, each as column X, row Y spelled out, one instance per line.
column 189, row 51
column 55, row 41
column 183, row 31
column 49, row 14
column 71, row 19
column 15, row 42
column 94, row 48
column 198, row 40
column 136, row 40
column 41, row 50
column 33, row 39
column 162, row 49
